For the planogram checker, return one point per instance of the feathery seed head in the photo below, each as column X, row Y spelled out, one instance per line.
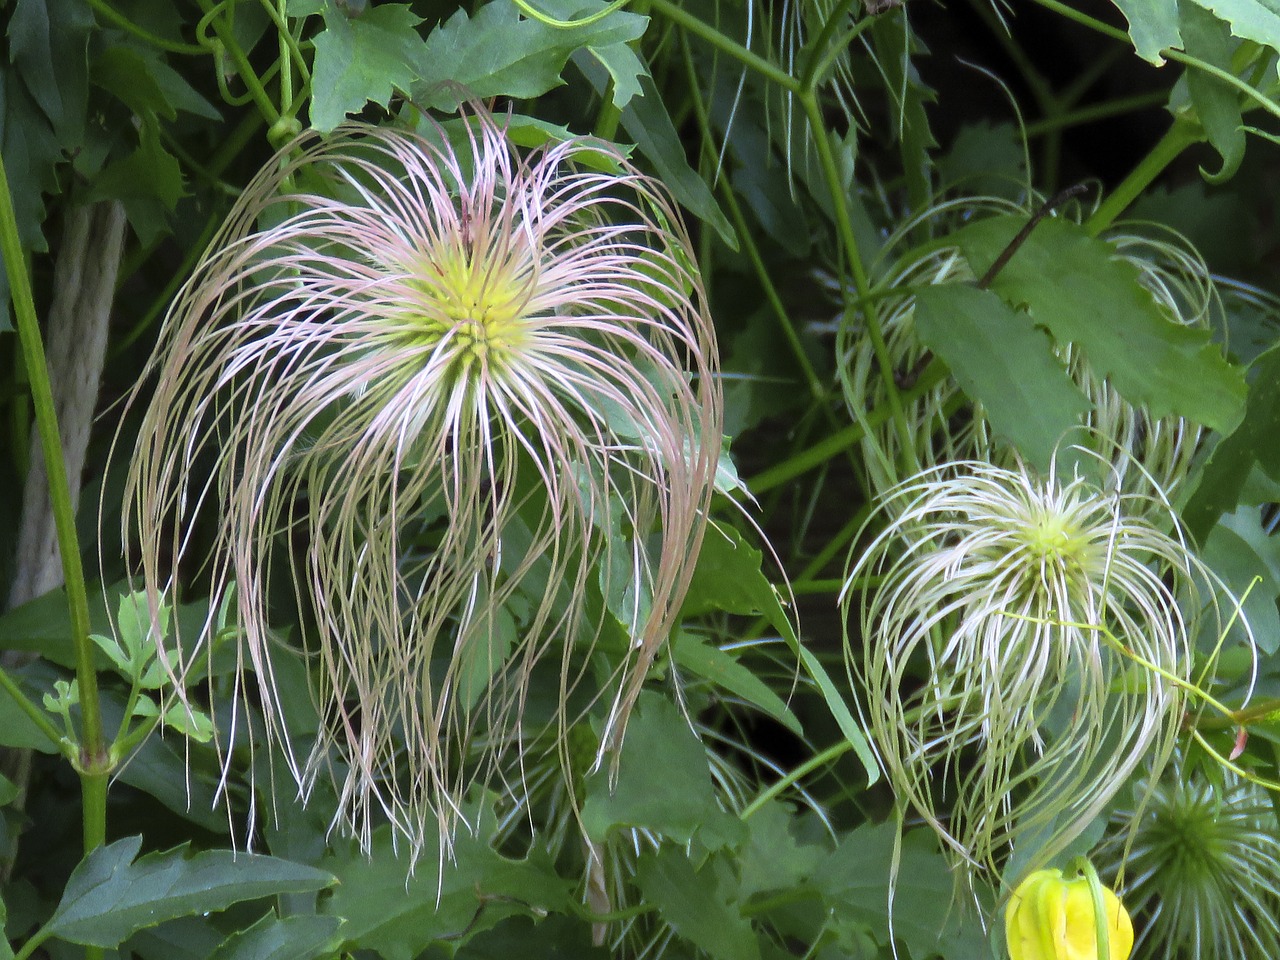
column 1201, row 863
column 1016, row 649
column 459, row 395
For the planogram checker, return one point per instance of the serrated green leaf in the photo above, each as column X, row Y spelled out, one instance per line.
column 110, row 896
column 1153, row 26
column 127, row 75
column 1217, row 104
column 855, row 880
column 1002, row 361
column 361, row 60
column 398, row 915
column 625, row 70
column 647, row 122
column 496, row 52
column 1076, row 287
column 712, row 663
column 728, row 577
column 774, row 858
column 1256, row 20
column 1245, row 557
column 1254, row 441
column 690, row 901
column 677, row 804
column 288, row 938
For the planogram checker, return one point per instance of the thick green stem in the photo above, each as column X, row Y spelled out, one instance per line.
column 726, row 46
column 837, row 443
column 93, row 749
column 253, row 84
column 1101, row 111
column 853, row 261
column 104, row 10
column 1180, row 136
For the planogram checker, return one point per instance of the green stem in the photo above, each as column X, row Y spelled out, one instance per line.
column 256, row 91
column 93, row 753
column 799, row 773
column 837, row 443
column 726, row 46
column 823, row 54
column 1181, row 135
column 1102, row 939
column 853, row 260
column 104, row 10
column 37, row 716
column 1101, row 111
column 285, row 57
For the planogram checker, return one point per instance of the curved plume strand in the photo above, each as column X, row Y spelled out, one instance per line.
column 1008, row 629
column 416, row 377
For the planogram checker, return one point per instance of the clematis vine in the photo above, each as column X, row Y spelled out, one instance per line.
column 458, row 395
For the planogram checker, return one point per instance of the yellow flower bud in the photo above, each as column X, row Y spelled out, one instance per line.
column 1051, row 918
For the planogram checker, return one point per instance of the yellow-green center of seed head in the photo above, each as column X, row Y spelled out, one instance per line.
column 474, row 310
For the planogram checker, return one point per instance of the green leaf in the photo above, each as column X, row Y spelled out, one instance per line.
column 1254, row 441
column 6, row 951
column 126, row 74
column 555, row 938
column 1241, row 552
column 362, row 59
column 1076, row 287
column 1256, row 20
column 774, row 858
column 1002, row 361
column 399, row 915
column 691, row 902
column 856, row 879
column 110, row 895
column 723, row 669
column 728, row 577
column 679, row 803
column 1217, row 103
column 626, row 70
column 288, row 938
column 1153, row 26
column 148, row 182
column 647, row 122
column 498, row 53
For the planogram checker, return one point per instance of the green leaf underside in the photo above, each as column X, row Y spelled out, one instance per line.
column 1153, row 26
column 729, row 577
column 689, row 902
column 1075, row 286
column 1257, row 20
column 1217, row 103
column 288, row 938
column 1254, row 441
column 1002, row 361
column 110, row 896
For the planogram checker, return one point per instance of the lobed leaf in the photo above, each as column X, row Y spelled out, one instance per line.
column 1001, row 360
column 110, row 895
column 1075, row 286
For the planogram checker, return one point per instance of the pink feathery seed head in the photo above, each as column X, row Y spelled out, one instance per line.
column 476, row 384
